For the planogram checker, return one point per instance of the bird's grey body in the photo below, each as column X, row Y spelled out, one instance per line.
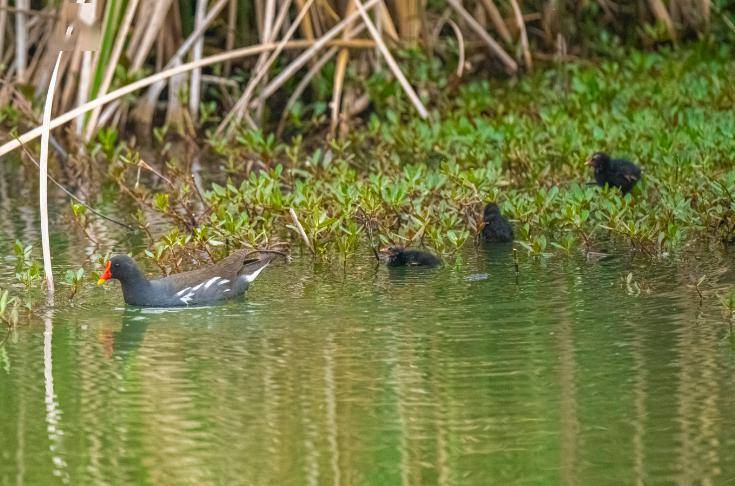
column 228, row 278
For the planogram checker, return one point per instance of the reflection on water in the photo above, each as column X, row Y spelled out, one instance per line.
column 383, row 377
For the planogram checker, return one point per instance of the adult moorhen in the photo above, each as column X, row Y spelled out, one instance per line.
column 397, row 256
column 619, row 173
column 225, row 279
column 495, row 227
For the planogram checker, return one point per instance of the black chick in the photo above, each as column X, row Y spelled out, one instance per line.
column 397, row 256
column 495, row 227
column 619, row 173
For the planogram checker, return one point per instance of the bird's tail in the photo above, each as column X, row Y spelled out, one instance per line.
column 252, row 267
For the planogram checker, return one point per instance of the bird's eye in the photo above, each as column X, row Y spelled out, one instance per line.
column 117, row 265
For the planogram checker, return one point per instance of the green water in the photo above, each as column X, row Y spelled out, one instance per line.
column 325, row 375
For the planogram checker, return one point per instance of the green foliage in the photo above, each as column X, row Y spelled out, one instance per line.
column 405, row 180
column 27, row 269
column 74, row 280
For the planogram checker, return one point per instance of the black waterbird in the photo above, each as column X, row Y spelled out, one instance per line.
column 495, row 227
column 619, row 173
column 398, row 256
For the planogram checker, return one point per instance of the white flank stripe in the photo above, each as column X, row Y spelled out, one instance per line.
column 182, row 292
column 252, row 276
column 226, row 290
column 224, row 281
column 197, row 287
column 210, row 282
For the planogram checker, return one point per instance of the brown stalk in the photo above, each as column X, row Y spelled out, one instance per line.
column 307, row 29
column 154, row 25
column 497, row 19
column 387, row 22
column 524, row 35
column 339, row 77
column 149, row 80
column 494, row 47
column 409, row 20
column 392, row 64
column 230, row 36
column 3, row 20
column 662, row 15
column 315, row 47
column 300, row 230
column 241, row 106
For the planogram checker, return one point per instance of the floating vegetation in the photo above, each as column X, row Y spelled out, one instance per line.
column 411, row 182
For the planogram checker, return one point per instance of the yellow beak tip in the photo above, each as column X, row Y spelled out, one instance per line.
column 101, row 281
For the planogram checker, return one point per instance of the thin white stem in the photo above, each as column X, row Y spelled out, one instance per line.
column 392, row 64
column 21, row 39
column 196, row 54
column 43, row 177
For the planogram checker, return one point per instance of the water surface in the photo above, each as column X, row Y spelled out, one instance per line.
column 364, row 375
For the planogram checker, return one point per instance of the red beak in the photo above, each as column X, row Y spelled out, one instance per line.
column 105, row 276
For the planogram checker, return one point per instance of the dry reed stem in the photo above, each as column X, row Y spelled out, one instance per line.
column 149, row 80
column 524, row 35
column 241, row 106
column 307, row 29
column 155, row 25
column 268, row 28
column 301, row 87
column 145, row 108
column 21, row 39
column 3, row 20
column 392, row 64
column 300, row 230
column 460, row 47
column 318, row 44
column 495, row 48
column 339, row 78
column 195, row 83
column 43, row 177
column 662, row 15
column 409, row 19
column 497, row 19
column 264, row 61
column 230, row 36
column 387, row 22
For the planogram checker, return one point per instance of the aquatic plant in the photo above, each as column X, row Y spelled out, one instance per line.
column 27, row 268
column 74, row 279
column 403, row 180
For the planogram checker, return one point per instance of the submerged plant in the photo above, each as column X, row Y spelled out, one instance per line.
column 74, row 280
column 27, row 269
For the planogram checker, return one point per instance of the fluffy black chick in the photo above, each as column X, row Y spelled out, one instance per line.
column 397, row 256
column 619, row 173
column 495, row 227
